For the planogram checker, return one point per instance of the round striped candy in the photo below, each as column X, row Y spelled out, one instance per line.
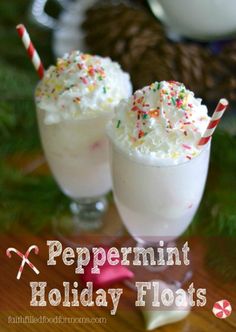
column 222, row 309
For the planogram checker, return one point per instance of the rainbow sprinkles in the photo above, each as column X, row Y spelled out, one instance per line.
column 80, row 85
column 161, row 121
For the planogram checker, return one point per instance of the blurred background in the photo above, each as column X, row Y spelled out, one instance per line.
column 152, row 40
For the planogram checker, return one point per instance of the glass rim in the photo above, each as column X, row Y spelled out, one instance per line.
column 105, row 113
column 154, row 162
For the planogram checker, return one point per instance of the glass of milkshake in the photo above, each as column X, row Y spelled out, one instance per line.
column 159, row 171
column 75, row 100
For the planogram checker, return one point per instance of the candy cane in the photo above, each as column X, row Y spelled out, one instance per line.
column 219, row 111
column 33, row 54
column 24, row 258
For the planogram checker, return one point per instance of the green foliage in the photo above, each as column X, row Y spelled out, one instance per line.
column 17, row 111
column 16, row 84
column 216, row 218
column 28, row 200
column 13, row 12
column 217, row 213
column 32, row 200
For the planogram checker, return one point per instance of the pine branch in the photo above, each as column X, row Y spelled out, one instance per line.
column 28, row 200
column 217, row 213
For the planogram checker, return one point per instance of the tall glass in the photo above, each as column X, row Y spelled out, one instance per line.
column 77, row 153
column 157, row 202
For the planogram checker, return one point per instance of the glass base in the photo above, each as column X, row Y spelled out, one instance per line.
column 88, row 222
column 175, row 275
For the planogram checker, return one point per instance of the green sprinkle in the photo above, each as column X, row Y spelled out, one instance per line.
column 118, row 124
column 104, row 90
column 173, row 100
column 145, row 116
column 158, row 85
column 100, row 78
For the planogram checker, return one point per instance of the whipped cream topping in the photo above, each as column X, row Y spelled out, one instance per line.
column 162, row 122
column 80, row 86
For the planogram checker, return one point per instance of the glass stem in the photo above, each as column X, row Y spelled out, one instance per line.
column 88, row 212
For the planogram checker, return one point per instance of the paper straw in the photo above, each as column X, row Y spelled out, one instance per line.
column 219, row 111
column 33, row 54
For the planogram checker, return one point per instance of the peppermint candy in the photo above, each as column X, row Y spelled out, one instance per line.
column 222, row 309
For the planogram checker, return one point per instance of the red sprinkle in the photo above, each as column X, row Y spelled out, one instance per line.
column 84, row 80
column 136, row 108
column 140, row 134
column 186, row 146
column 91, row 71
column 179, row 102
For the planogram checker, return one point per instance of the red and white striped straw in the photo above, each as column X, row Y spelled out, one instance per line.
column 219, row 111
column 33, row 54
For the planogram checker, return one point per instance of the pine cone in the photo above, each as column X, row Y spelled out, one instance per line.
column 228, row 56
column 121, row 32
column 180, row 62
column 221, row 71
column 131, row 36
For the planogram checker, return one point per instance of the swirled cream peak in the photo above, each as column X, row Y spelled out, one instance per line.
column 81, row 85
column 163, row 121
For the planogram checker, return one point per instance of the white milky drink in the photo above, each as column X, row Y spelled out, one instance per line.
column 156, row 200
column 77, row 153
column 158, row 169
column 75, row 100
